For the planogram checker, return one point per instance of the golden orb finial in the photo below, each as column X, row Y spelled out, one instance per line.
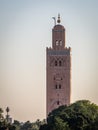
column 58, row 18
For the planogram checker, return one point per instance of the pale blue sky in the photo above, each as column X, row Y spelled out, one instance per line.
column 25, row 32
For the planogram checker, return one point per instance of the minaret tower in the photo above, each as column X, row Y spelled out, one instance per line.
column 58, row 70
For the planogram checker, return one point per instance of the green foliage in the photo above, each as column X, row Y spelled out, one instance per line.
column 4, row 125
column 26, row 126
column 81, row 115
column 60, row 124
column 3, row 122
column 16, row 125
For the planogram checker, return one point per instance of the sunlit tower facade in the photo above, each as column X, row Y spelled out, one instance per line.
column 58, row 70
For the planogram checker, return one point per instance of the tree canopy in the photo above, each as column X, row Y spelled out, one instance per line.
column 81, row 115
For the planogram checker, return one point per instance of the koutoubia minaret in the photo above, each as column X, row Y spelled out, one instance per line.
column 58, row 69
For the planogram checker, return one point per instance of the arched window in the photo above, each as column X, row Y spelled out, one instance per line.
column 57, row 43
column 60, row 63
column 56, row 86
column 60, row 43
column 56, row 63
column 58, row 102
column 59, row 86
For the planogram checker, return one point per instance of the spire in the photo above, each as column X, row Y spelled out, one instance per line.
column 58, row 21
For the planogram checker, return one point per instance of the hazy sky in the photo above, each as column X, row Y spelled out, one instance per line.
column 25, row 32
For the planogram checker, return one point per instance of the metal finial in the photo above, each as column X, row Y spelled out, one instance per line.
column 58, row 18
column 54, row 20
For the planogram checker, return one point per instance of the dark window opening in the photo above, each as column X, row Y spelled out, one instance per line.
column 56, row 86
column 59, row 86
column 55, row 63
column 60, row 63
column 58, row 102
